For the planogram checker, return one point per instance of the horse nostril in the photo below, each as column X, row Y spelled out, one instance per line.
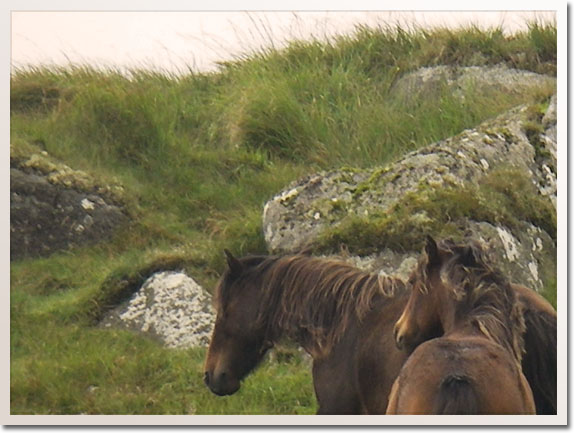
column 399, row 338
column 206, row 378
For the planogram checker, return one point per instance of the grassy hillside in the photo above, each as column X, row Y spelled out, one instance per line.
column 198, row 156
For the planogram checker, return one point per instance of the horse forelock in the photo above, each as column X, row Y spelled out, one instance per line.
column 483, row 295
column 229, row 283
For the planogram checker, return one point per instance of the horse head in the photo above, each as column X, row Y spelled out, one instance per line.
column 239, row 339
column 422, row 317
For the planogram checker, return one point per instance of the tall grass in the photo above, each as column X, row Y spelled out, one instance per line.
column 199, row 155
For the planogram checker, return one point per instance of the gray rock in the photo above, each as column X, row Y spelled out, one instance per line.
column 526, row 256
column 387, row 262
column 549, row 139
column 425, row 82
column 46, row 217
column 294, row 218
column 171, row 307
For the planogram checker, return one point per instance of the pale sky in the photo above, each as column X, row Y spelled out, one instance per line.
column 174, row 41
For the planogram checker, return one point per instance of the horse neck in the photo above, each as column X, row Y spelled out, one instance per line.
column 492, row 324
column 318, row 317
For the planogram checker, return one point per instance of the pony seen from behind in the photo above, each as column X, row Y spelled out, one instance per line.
column 474, row 367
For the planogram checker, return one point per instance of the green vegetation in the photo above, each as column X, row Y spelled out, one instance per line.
column 198, row 156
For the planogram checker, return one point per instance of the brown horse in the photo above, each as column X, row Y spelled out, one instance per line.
column 540, row 357
column 475, row 367
column 342, row 316
column 322, row 304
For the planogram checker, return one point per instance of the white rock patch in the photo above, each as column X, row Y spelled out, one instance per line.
column 172, row 307
column 534, row 269
column 509, row 244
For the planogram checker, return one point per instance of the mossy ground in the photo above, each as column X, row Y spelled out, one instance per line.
column 198, row 156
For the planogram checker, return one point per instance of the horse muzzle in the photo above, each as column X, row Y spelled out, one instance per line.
column 221, row 384
column 399, row 337
column 404, row 338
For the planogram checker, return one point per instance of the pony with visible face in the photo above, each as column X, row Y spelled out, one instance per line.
column 343, row 317
column 475, row 366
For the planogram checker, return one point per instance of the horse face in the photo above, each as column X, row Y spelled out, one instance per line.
column 420, row 320
column 232, row 355
column 238, row 343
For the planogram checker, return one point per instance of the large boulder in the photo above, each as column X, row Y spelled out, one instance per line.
column 53, row 207
column 171, row 307
column 520, row 143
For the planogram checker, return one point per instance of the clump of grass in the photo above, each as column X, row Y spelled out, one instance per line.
column 270, row 118
column 550, row 291
column 534, row 132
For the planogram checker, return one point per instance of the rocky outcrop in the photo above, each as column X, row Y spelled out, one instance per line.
column 171, row 307
column 425, row 82
column 549, row 122
column 53, row 207
column 522, row 139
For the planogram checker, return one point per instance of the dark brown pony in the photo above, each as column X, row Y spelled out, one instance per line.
column 342, row 316
column 475, row 367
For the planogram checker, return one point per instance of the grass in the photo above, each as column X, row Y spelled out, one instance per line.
column 198, row 156
column 66, row 371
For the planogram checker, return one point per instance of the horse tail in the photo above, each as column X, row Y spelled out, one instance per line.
column 456, row 396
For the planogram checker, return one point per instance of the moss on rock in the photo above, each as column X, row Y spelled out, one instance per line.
column 29, row 157
column 503, row 197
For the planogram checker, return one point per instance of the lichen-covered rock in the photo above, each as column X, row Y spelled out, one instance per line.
column 526, row 256
column 53, row 207
column 548, row 158
column 296, row 217
column 387, row 262
column 31, row 159
column 290, row 221
column 169, row 306
column 550, row 121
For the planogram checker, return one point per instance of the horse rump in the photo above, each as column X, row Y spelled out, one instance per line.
column 456, row 395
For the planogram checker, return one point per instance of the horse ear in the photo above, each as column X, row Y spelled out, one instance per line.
column 234, row 265
column 432, row 250
column 469, row 257
column 307, row 251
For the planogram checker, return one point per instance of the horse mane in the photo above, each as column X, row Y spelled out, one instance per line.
column 484, row 297
column 310, row 298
